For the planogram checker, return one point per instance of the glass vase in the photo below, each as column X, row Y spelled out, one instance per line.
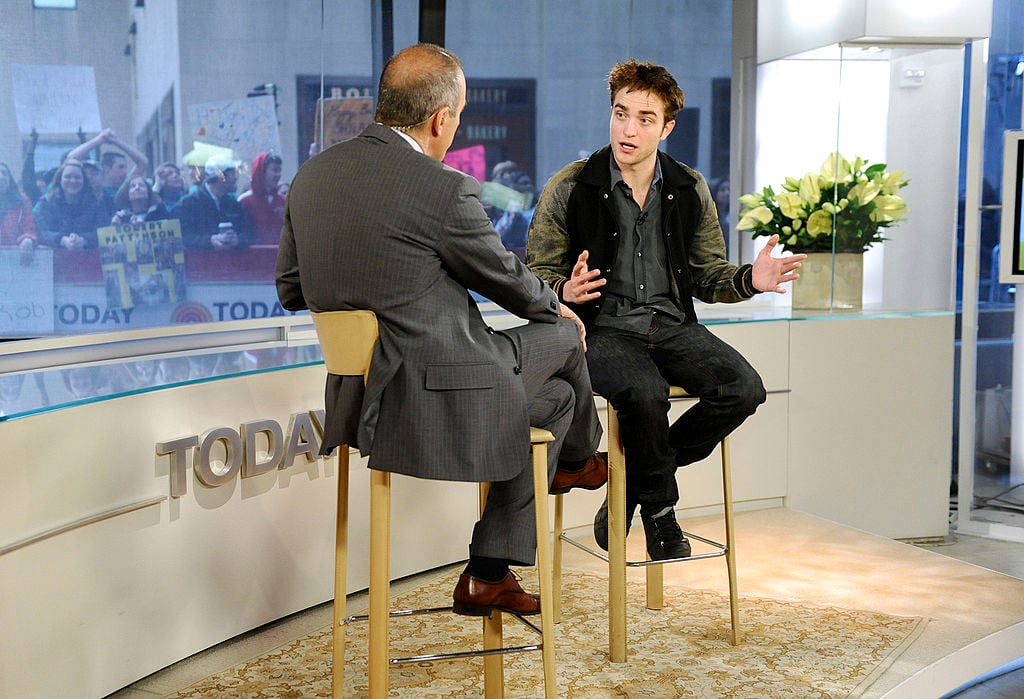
column 830, row 282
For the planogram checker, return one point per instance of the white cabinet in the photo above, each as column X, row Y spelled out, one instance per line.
column 870, row 422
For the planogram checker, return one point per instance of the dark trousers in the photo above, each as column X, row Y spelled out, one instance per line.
column 633, row 370
column 561, row 400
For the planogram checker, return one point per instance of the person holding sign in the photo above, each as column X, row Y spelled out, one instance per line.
column 137, row 202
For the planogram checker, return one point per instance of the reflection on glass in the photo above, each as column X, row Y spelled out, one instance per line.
column 997, row 496
column 26, row 393
column 163, row 116
column 175, row 123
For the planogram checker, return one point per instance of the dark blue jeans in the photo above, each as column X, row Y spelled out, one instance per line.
column 634, row 370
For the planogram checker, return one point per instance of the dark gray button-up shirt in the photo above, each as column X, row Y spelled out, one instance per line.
column 639, row 285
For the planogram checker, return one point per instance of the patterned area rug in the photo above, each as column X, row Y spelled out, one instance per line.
column 788, row 650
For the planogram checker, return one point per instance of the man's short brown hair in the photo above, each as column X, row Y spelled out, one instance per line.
column 634, row 75
column 415, row 83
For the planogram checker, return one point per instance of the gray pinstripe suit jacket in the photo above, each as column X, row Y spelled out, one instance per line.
column 373, row 224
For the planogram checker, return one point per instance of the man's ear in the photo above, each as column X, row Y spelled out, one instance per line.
column 667, row 129
column 437, row 121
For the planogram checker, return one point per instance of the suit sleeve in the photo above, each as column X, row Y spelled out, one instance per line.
column 286, row 274
column 473, row 253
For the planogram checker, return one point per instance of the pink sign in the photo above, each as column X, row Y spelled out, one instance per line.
column 471, row 161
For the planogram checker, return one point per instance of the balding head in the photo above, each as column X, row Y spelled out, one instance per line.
column 416, row 82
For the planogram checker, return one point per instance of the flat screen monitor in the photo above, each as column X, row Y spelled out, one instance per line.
column 1011, row 229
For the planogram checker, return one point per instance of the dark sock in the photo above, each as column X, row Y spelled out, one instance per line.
column 571, row 466
column 487, row 569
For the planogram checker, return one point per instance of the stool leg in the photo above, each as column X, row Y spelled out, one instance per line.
column 544, row 572
column 556, row 563
column 655, row 586
column 340, row 576
column 616, row 541
column 380, row 582
column 494, row 669
column 730, row 544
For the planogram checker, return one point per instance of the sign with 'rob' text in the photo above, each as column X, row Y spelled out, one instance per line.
column 26, row 293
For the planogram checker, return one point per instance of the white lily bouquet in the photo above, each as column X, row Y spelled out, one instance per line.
column 852, row 202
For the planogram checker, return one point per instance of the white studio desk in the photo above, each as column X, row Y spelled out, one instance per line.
column 107, row 574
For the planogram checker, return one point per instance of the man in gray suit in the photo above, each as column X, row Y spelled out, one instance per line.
column 380, row 223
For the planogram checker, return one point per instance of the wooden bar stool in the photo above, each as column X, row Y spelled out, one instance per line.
column 347, row 340
column 616, row 556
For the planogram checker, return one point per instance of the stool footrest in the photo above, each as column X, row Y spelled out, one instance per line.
column 397, row 613
column 722, row 550
column 456, row 655
column 464, row 654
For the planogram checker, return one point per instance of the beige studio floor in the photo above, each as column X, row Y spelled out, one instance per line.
column 975, row 615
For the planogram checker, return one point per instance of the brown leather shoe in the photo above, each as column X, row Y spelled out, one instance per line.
column 592, row 476
column 476, row 597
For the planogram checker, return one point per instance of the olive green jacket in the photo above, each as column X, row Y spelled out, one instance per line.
column 575, row 213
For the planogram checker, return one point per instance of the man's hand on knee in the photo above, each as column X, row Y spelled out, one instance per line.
column 568, row 313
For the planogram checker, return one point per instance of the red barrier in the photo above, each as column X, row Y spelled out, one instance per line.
column 253, row 264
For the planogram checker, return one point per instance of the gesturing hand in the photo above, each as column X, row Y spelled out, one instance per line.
column 581, row 286
column 769, row 273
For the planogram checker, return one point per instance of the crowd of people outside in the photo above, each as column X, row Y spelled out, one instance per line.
column 86, row 208
column 105, row 181
column 144, row 232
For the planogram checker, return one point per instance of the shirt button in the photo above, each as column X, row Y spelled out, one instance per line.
column 639, row 254
column 517, row 370
column 641, row 287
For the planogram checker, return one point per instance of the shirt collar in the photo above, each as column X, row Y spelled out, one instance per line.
column 616, row 173
column 407, row 137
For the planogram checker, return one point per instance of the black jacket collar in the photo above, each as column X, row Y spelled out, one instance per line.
column 595, row 172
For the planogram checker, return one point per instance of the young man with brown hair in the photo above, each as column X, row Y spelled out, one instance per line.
column 627, row 238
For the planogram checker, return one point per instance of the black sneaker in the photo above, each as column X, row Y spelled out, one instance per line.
column 601, row 522
column 665, row 539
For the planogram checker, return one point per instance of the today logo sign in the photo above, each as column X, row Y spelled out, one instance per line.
column 240, row 452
